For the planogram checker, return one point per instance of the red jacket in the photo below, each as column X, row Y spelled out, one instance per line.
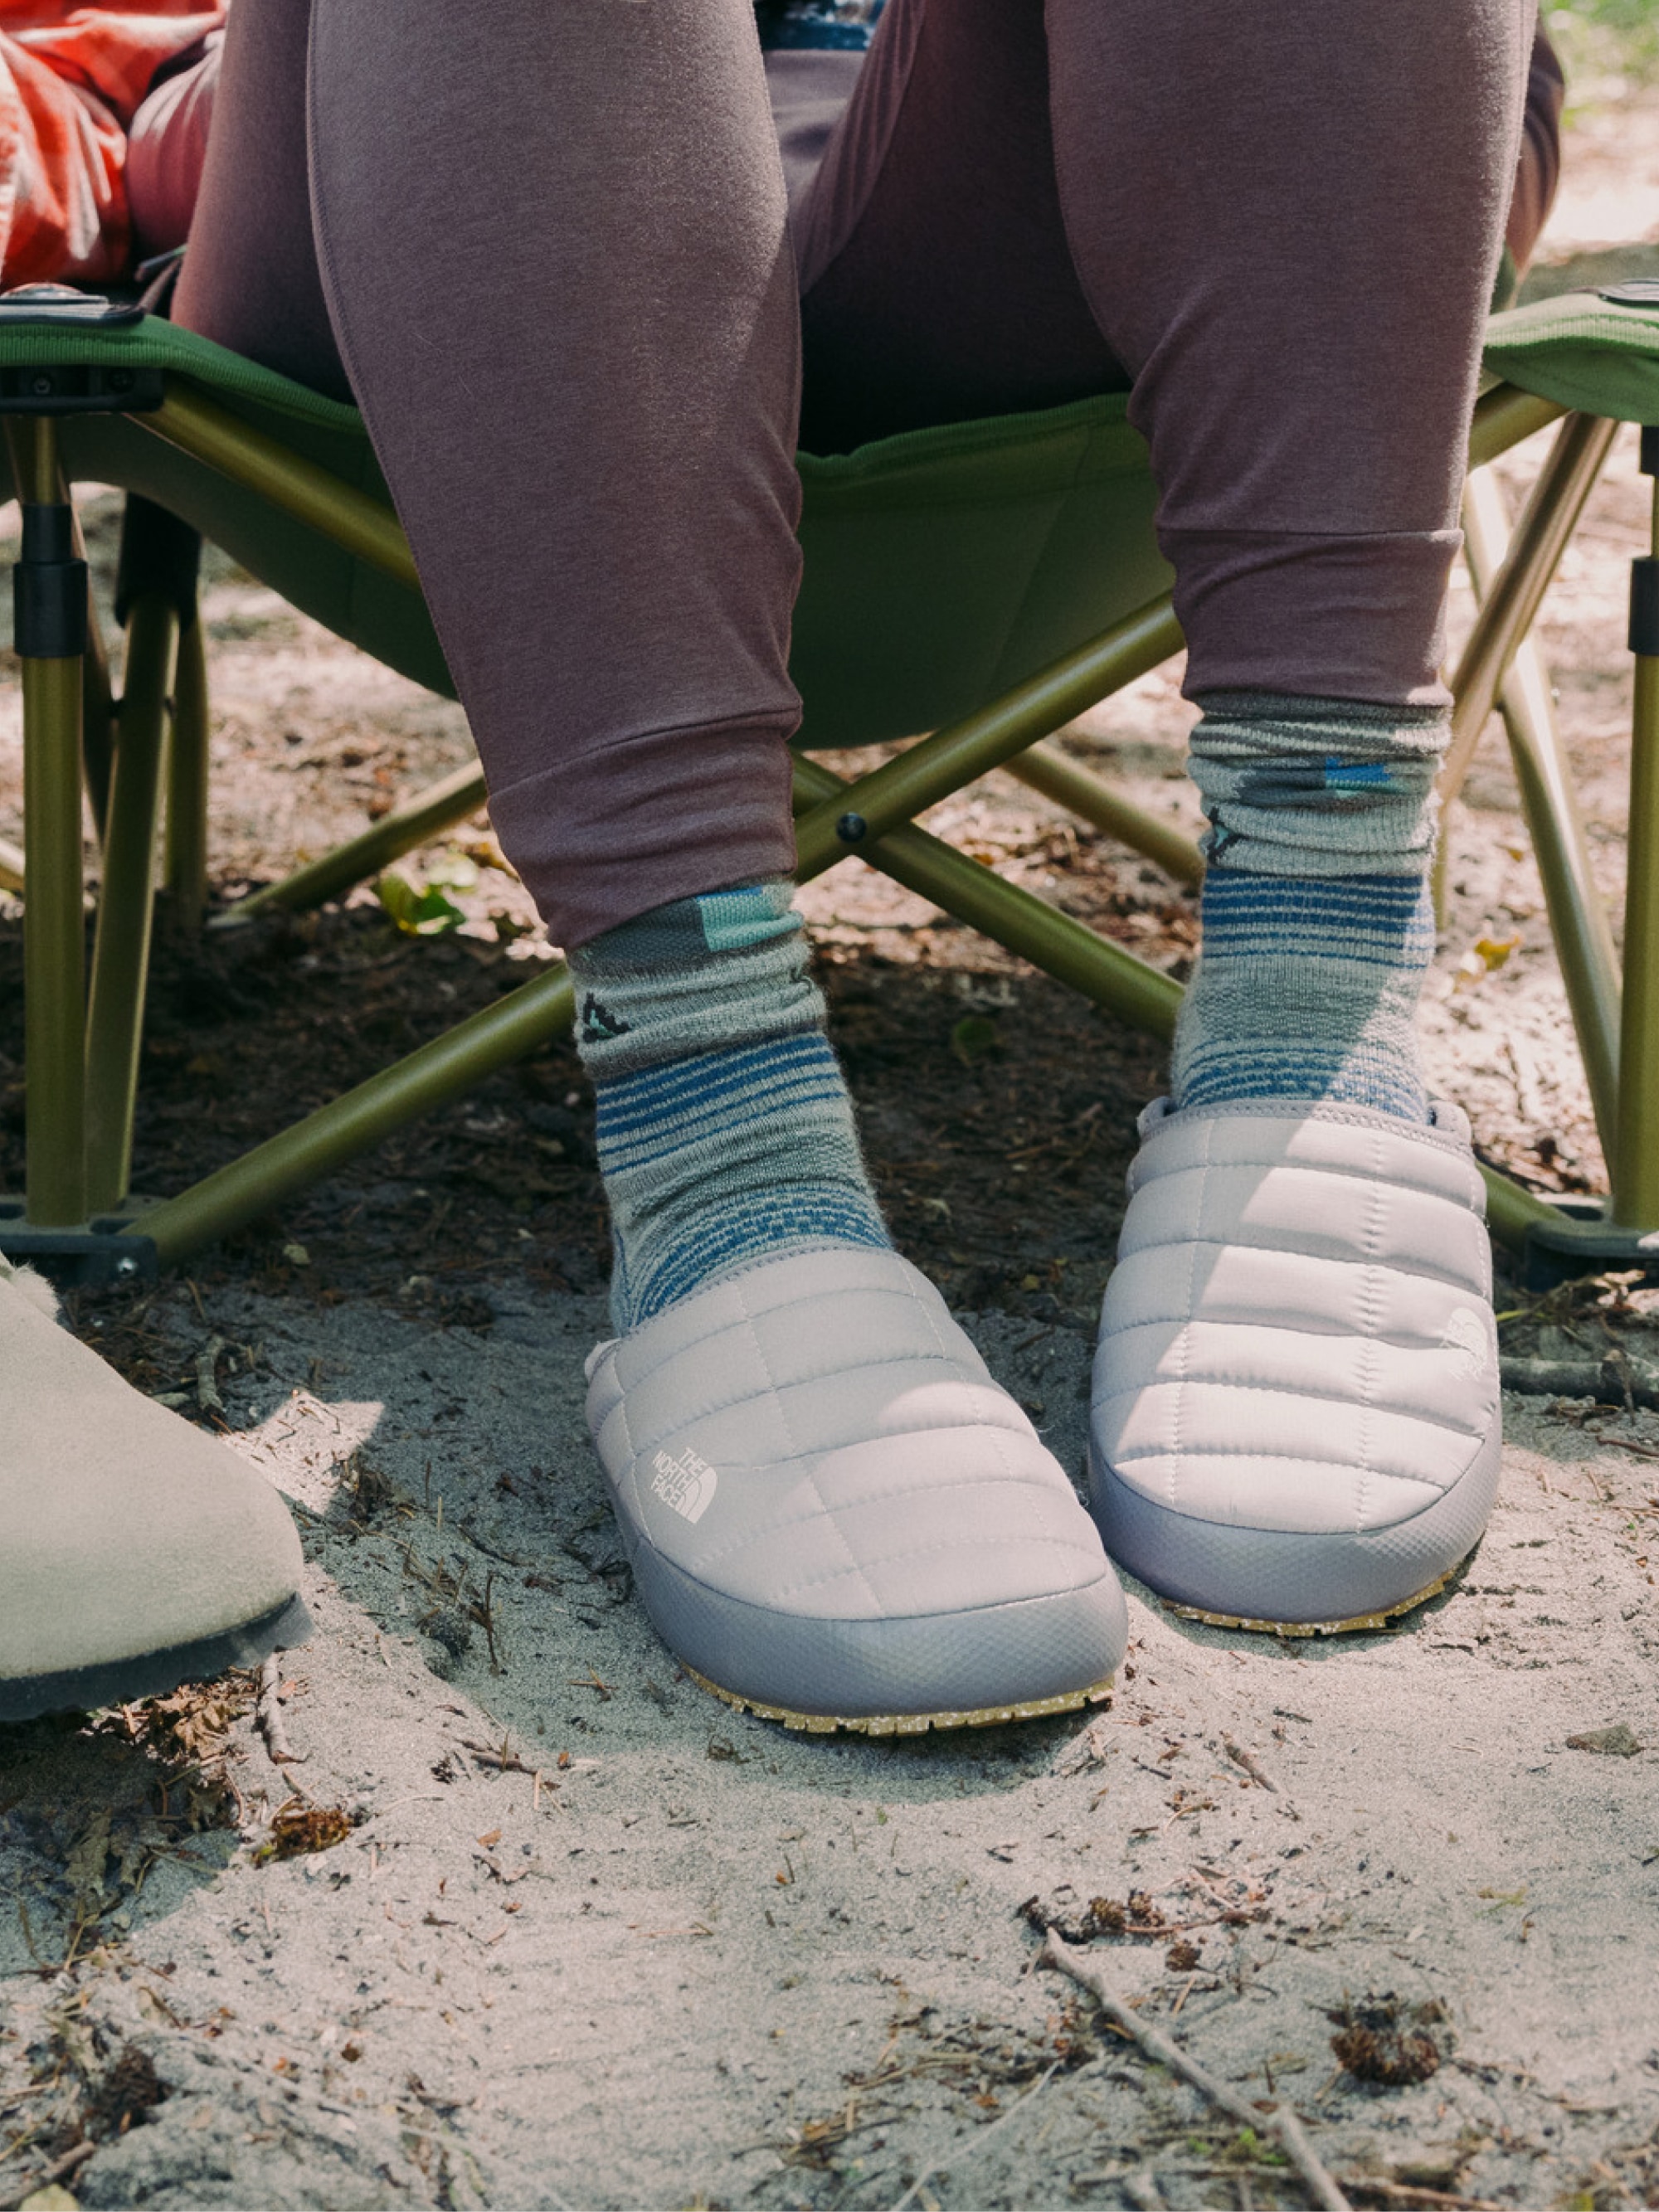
column 71, row 80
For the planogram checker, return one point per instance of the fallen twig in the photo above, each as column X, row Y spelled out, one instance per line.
column 268, row 1714
column 1281, row 2121
column 504, row 1761
column 1240, row 1757
column 207, row 1389
column 1400, row 2192
column 1615, row 1380
column 59, row 2170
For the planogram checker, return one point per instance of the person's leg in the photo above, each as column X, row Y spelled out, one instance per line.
column 576, row 349
column 582, row 393
column 936, row 279
column 1539, row 171
column 167, row 148
column 1287, row 230
column 553, row 255
column 1290, row 235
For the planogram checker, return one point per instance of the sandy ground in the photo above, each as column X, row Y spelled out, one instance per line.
column 572, row 1935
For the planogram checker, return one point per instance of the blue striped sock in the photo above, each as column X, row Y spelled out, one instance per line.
column 1307, row 988
column 1317, row 926
column 725, row 1132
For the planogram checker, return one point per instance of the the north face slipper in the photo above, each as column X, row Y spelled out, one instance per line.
column 836, row 1518
column 1297, row 1418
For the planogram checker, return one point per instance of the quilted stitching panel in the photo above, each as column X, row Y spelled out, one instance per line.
column 1270, row 1494
column 1297, row 1209
column 863, row 1464
column 1286, row 1290
column 1372, row 1146
column 1298, row 1336
column 1444, row 1384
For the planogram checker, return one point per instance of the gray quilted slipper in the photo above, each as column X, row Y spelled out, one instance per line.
column 1297, row 1420
column 834, row 1516
column 136, row 1554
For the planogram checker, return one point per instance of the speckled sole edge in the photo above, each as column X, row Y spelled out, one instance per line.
column 1360, row 1622
column 1034, row 1709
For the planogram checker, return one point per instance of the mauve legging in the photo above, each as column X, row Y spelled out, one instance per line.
column 553, row 251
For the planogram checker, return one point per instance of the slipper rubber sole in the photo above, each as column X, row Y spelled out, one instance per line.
column 884, row 1724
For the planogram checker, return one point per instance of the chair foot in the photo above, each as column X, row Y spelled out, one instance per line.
column 1581, row 1241
column 104, row 1251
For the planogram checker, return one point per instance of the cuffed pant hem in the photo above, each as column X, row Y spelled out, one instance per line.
column 1349, row 617
column 603, row 838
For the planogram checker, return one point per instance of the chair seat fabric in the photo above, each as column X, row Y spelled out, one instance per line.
column 942, row 568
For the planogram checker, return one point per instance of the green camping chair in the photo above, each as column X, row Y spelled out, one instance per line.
column 987, row 582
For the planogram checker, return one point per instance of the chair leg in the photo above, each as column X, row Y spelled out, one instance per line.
column 184, row 869
column 120, row 958
column 940, row 765
column 1042, row 767
column 1635, row 1168
column 159, row 566
column 52, row 608
column 1517, row 590
column 1578, row 916
column 98, row 714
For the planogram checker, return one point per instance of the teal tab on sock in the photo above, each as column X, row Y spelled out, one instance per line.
column 754, row 915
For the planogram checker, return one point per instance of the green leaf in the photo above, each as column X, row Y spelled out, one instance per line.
column 418, row 914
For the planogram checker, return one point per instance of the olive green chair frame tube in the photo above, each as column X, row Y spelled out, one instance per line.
column 1636, row 1161
column 1578, row 916
column 184, row 868
column 1516, row 592
column 126, row 905
column 940, row 765
column 97, row 708
column 54, row 940
column 450, row 801
column 1062, row 947
column 1044, row 768
column 432, row 1076
column 357, row 522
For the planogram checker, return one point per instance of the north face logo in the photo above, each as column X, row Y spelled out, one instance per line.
column 687, row 1484
column 1466, row 1334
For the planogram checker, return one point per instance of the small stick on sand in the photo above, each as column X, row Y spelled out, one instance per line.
column 58, row 2171
column 1397, row 2193
column 268, row 1714
column 207, row 1389
column 1281, row 2122
column 1240, row 1757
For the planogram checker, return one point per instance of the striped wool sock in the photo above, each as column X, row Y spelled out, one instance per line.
column 725, row 1129
column 1317, row 926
